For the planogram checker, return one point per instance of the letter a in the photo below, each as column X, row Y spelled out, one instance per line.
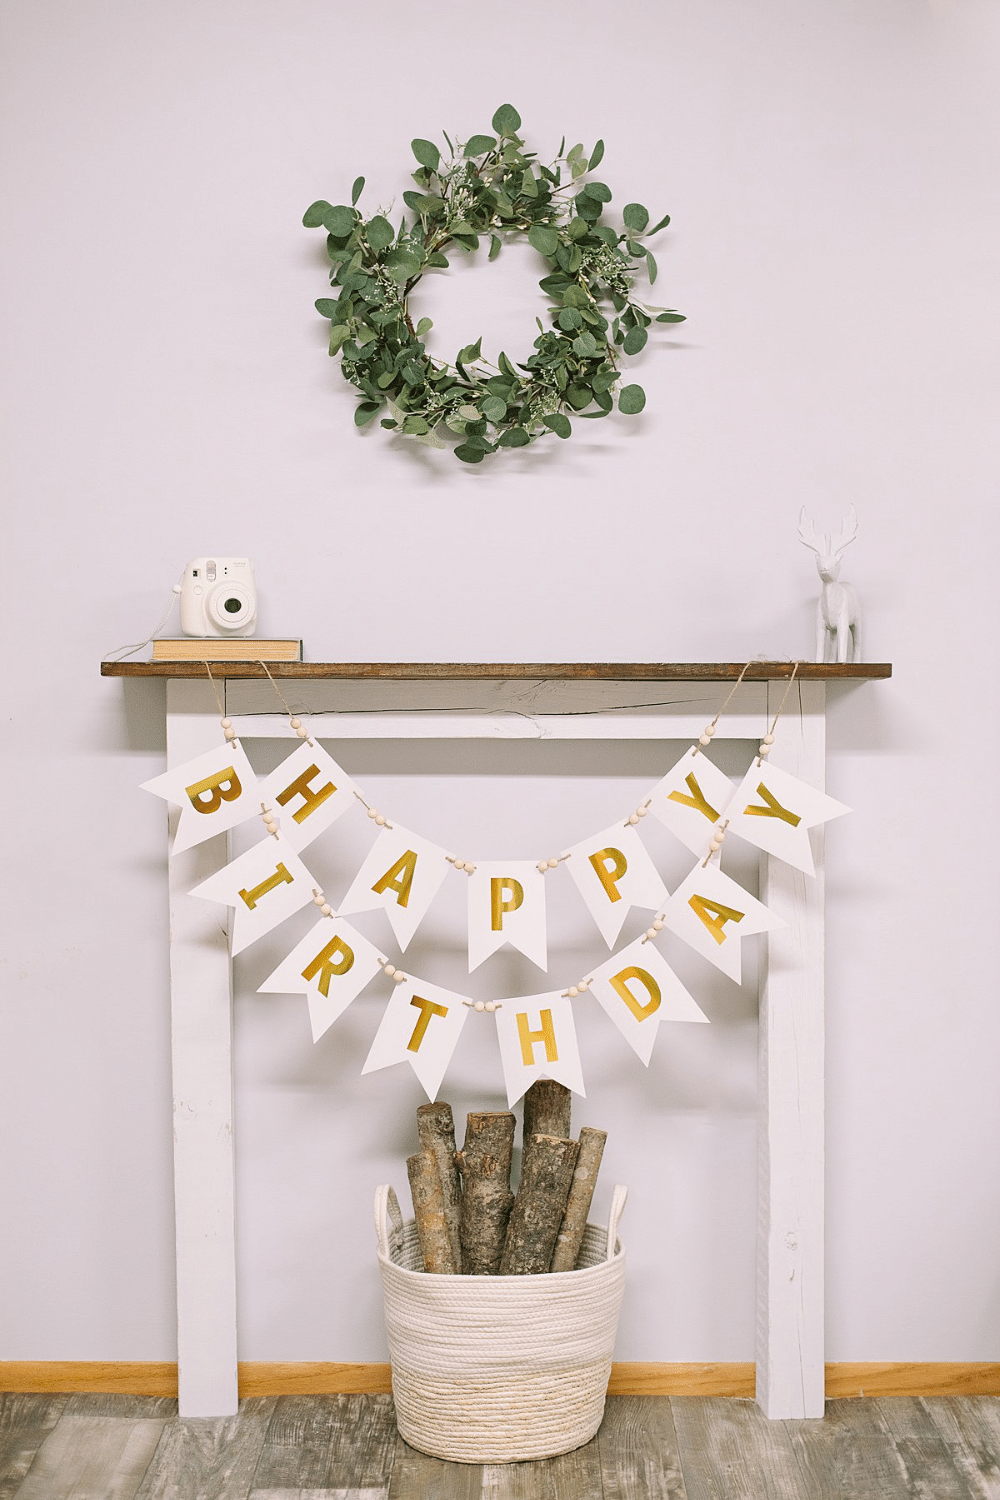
column 701, row 906
column 399, row 878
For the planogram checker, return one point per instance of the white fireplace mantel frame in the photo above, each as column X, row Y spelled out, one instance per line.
column 497, row 703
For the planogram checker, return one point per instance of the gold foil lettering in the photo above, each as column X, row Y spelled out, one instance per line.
column 697, row 799
column 609, row 865
column 527, row 1038
column 280, row 877
column 620, row 983
column 701, row 906
column 427, row 1009
column 335, row 959
column 499, row 885
column 399, row 878
column 224, row 786
column 773, row 809
column 310, row 800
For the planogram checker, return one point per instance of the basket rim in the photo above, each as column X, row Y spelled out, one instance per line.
column 459, row 1278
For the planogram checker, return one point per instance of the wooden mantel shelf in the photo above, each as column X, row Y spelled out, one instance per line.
column 429, row 671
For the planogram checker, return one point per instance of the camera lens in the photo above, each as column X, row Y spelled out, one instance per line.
column 232, row 606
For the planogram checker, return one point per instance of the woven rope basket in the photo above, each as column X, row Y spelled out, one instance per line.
column 498, row 1369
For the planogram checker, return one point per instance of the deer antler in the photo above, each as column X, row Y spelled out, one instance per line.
column 807, row 532
column 848, row 530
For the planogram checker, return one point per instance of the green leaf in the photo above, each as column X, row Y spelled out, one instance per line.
column 543, row 238
column 635, row 216
column 514, row 437
column 494, row 409
column 316, row 213
column 494, row 246
column 635, row 340
column 578, row 397
column 506, row 366
column 401, row 265
column 424, row 326
column 437, row 259
column 568, row 318
column 356, row 190
column 585, row 345
column 327, row 307
column 529, row 185
column 671, row 317
column 480, row 144
column 595, row 156
column 427, row 154
column 388, row 423
column 506, row 122
column 365, row 412
column 340, row 220
column 598, row 191
column 471, row 352
column 559, row 424
column 414, row 425
column 338, row 334
column 631, row 399
column 664, row 221
column 384, row 381
column 380, row 233
column 650, row 267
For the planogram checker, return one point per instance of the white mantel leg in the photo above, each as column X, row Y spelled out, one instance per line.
column 790, row 1310
column 201, row 1053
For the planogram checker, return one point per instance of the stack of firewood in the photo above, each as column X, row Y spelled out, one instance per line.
column 468, row 1220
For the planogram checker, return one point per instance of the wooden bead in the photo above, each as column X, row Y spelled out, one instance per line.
column 390, row 970
column 380, row 820
column 372, row 813
column 319, row 898
column 326, row 909
column 303, row 734
column 658, row 924
column 399, row 977
column 709, row 730
column 651, row 932
column 573, row 991
column 295, row 723
column 479, row 1005
column 764, row 750
column 642, row 811
column 633, row 818
column 542, row 866
column 704, row 739
column 226, row 723
column 583, row 985
column 491, row 1005
column 769, row 739
column 552, row 863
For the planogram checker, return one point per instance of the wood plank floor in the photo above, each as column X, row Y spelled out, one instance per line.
column 347, row 1448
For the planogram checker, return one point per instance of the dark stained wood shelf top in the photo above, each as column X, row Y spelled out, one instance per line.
column 422, row 671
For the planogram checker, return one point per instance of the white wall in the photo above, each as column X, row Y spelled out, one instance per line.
column 831, row 170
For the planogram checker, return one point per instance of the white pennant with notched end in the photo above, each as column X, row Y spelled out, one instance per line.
column 638, row 989
column 307, row 793
column 214, row 791
column 775, row 811
column 421, row 1026
column 713, row 913
column 330, row 966
column 263, row 886
column 537, row 1037
column 507, row 905
column 691, row 799
column 613, row 872
column 402, row 873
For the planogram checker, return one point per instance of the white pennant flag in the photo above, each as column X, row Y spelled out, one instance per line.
column 421, row 1026
column 330, row 966
column 214, row 791
column 507, row 905
column 613, row 872
column 307, row 792
column 402, row 873
column 638, row 989
column 537, row 1039
column 691, row 799
column 713, row 913
column 775, row 811
column 263, row 886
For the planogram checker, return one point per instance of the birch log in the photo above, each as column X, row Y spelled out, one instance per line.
column 436, row 1129
column 429, row 1212
column 581, row 1192
column 484, row 1163
column 539, row 1206
column 546, row 1112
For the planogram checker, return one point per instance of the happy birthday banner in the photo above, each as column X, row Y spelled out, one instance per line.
column 402, row 873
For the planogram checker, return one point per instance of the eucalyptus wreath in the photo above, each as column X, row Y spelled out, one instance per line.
column 490, row 185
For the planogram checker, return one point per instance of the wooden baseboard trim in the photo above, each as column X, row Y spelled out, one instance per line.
column 627, row 1379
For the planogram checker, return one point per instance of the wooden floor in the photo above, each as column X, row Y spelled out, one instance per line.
column 346, row 1448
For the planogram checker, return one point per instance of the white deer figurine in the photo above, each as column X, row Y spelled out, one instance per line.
column 838, row 614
